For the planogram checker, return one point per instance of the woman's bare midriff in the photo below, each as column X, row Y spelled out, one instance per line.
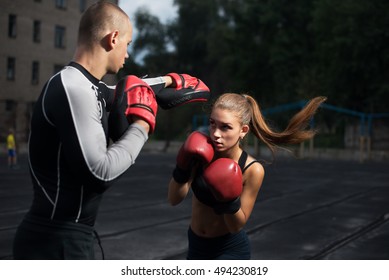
column 205, row 222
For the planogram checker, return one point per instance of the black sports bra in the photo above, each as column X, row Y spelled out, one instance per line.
column 202, row 191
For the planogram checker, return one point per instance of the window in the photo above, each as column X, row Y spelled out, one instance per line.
column 36, row 33
column 82, row 5
column 35, row 73
column 60, row 4
column 9, row 105
column 12, row 26
column 59, row 37
column 11, row 68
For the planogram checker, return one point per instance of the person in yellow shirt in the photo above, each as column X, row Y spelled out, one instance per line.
column 11, row 146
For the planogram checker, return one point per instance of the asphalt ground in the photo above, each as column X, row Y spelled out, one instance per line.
column 306, row 209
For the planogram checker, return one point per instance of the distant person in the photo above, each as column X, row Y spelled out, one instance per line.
column 224, row 178
column 11, row 146
column 72, row 162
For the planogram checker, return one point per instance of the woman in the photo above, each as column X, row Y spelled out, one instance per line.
column 226, row 180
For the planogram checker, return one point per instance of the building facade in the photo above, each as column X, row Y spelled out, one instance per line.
column 38, row 38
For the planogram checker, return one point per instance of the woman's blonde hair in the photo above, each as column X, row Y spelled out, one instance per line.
column 247, row 110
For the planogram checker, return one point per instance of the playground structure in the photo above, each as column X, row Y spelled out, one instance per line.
column 365, row 127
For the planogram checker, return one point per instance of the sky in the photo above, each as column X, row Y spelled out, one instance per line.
column 163, row 9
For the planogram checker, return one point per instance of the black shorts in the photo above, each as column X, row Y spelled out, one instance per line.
column 232, row 246
column 44, row 239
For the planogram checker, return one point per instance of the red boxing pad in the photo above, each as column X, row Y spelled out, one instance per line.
column 141, row 101
column 224, row 178
column 184, row 89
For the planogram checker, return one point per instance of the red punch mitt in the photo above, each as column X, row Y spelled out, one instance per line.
column 185, row 89
column 141, row 101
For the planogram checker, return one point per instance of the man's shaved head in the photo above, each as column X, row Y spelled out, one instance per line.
column 99, row 19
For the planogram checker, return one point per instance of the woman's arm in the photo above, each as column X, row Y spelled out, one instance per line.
column 252, row 183
column 177, row 192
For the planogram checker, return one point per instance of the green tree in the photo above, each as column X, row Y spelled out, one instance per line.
column 352, row 48
column 277, row 50
column 151, row 42
column 154, row 43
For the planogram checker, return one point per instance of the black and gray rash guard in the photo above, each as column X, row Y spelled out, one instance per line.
column 71, row 163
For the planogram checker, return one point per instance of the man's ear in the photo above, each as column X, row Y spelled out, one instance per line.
column 110, row 40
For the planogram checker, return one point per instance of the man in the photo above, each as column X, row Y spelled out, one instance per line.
column 71, row 161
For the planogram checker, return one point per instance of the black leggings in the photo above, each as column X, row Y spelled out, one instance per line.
column 41, row 239
column 232, row 246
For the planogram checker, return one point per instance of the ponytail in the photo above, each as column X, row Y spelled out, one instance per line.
column 296, row 131
column 247, row 109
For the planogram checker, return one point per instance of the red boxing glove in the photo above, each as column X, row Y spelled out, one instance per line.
column 141, row 101
column 197, row 147
column 225, row 179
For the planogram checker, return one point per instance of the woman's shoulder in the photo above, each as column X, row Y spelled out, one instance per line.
column 253, row 166
column 251, row 160
column 253, row 174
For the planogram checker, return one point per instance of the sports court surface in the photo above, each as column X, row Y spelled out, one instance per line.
column 307, row 209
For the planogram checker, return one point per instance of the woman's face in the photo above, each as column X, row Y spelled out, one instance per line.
column 225, row 129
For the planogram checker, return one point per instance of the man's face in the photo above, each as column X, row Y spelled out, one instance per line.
column 120, row 50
